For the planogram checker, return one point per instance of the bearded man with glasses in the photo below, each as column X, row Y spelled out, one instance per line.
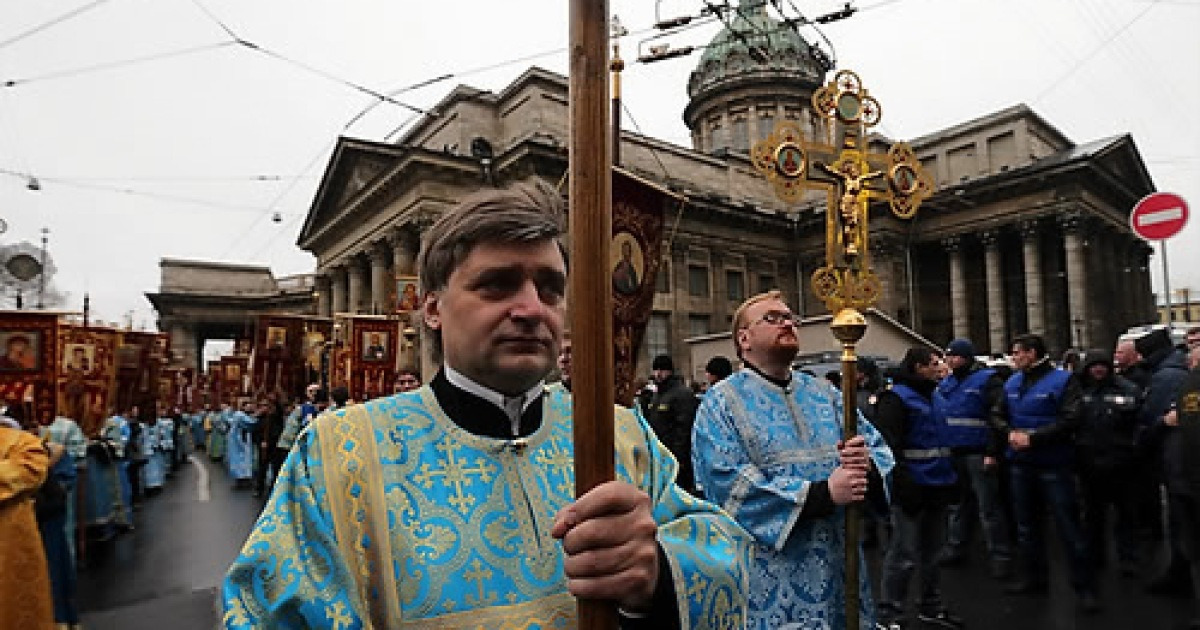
column 767, row 446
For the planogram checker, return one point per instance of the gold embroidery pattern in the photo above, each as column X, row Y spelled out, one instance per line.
column 450, row 530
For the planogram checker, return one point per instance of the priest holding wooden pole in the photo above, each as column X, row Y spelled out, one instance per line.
column 453, row 505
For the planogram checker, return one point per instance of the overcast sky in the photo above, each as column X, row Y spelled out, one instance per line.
column 188, row 153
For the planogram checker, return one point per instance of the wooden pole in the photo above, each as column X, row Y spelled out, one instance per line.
column 590, row 176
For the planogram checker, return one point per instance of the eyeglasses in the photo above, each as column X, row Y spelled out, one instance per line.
column 777, row 318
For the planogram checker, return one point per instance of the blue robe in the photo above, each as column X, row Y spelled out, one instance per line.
column 60, row 559
column 116, row 430
column 66, row 433
column 240, row 445
column 389, row 515
column 154, row 473
column 756, row 451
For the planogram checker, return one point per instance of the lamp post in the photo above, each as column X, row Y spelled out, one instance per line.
column 41, row 304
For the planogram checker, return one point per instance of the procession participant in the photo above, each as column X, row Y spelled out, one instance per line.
column 66, row 433
column 767, row 447
column 470, row 478
column 300, row 417
column 218, row 422
column 24, row 581
column 240, row 444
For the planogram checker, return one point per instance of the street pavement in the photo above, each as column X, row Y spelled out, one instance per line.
column 165, row 573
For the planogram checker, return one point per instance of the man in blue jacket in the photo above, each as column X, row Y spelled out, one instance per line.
column 965, row 399
column 1040, row 414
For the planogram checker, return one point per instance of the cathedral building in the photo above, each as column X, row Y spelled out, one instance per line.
column 1027, row 231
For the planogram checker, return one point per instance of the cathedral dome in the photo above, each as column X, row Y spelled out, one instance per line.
column 755, row 56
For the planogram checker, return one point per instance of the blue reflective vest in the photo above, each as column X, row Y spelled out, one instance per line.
column 961, row 404
column 1036, row 408
column 925, row 452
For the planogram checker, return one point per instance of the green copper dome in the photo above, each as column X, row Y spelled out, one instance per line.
column 753, row 48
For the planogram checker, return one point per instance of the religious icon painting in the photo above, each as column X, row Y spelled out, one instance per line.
column 628, row 264
column 789, row 160
column 21, row 350
column 276, row 337
column 408, row 297
column 78, row 358
column 129, row 356
column 904, row 179
column 374, row 345
column 314, row 345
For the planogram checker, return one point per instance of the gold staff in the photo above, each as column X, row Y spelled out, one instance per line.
column 852, row 177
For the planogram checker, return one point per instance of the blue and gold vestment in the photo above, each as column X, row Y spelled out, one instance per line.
column 758, row 448
column 389, row 515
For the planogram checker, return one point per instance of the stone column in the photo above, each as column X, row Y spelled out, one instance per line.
column 380, row 256
column 1035, row 308
column 1072, row 225
column 358, row 284
column 404, row 241
column 997, row 328
column 324, row 287
column 961, row 324
column 883, row 258
column 338, row 290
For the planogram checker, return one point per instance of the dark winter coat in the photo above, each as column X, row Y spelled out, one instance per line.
column 671, row 413
column 1108, row 433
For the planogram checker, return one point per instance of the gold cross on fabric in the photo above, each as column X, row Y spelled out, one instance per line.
column 852, row 177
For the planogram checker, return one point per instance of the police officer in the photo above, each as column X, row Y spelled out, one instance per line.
column 1039, row 414
column 1107, row 458
column 966, row 398
column 671, row 413
column 924, row 483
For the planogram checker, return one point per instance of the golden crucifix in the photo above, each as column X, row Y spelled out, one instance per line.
column 852, row 176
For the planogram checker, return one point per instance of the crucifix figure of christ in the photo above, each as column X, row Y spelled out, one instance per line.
column 851, row 203
column 852, row 176
column 842, row 164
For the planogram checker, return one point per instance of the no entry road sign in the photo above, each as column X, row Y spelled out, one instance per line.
column 1159, row 216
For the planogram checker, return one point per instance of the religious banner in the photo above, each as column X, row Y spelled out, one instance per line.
column 287, row 353
column 137, row 362
column 87, row 374
column 637, row 250
column 28, row 363
column 365, row 351
column 234, row 374
column 212, row 383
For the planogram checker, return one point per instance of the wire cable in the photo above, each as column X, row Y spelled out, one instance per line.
column 62, row 74
column 53, row 22
column 142, row 193
column 283, row 193
column 1091, row 55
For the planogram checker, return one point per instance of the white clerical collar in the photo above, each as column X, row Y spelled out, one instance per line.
column 512, row 406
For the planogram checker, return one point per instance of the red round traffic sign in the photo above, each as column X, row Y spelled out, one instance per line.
column 1159, row 216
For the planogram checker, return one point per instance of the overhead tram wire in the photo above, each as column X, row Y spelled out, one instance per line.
column 317, row 71
column 50, row 23
column 133, row 192
column 272, row 207
column 109, row 65
column 1091, row 55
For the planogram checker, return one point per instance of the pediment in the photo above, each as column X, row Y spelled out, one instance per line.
column 354, row 166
